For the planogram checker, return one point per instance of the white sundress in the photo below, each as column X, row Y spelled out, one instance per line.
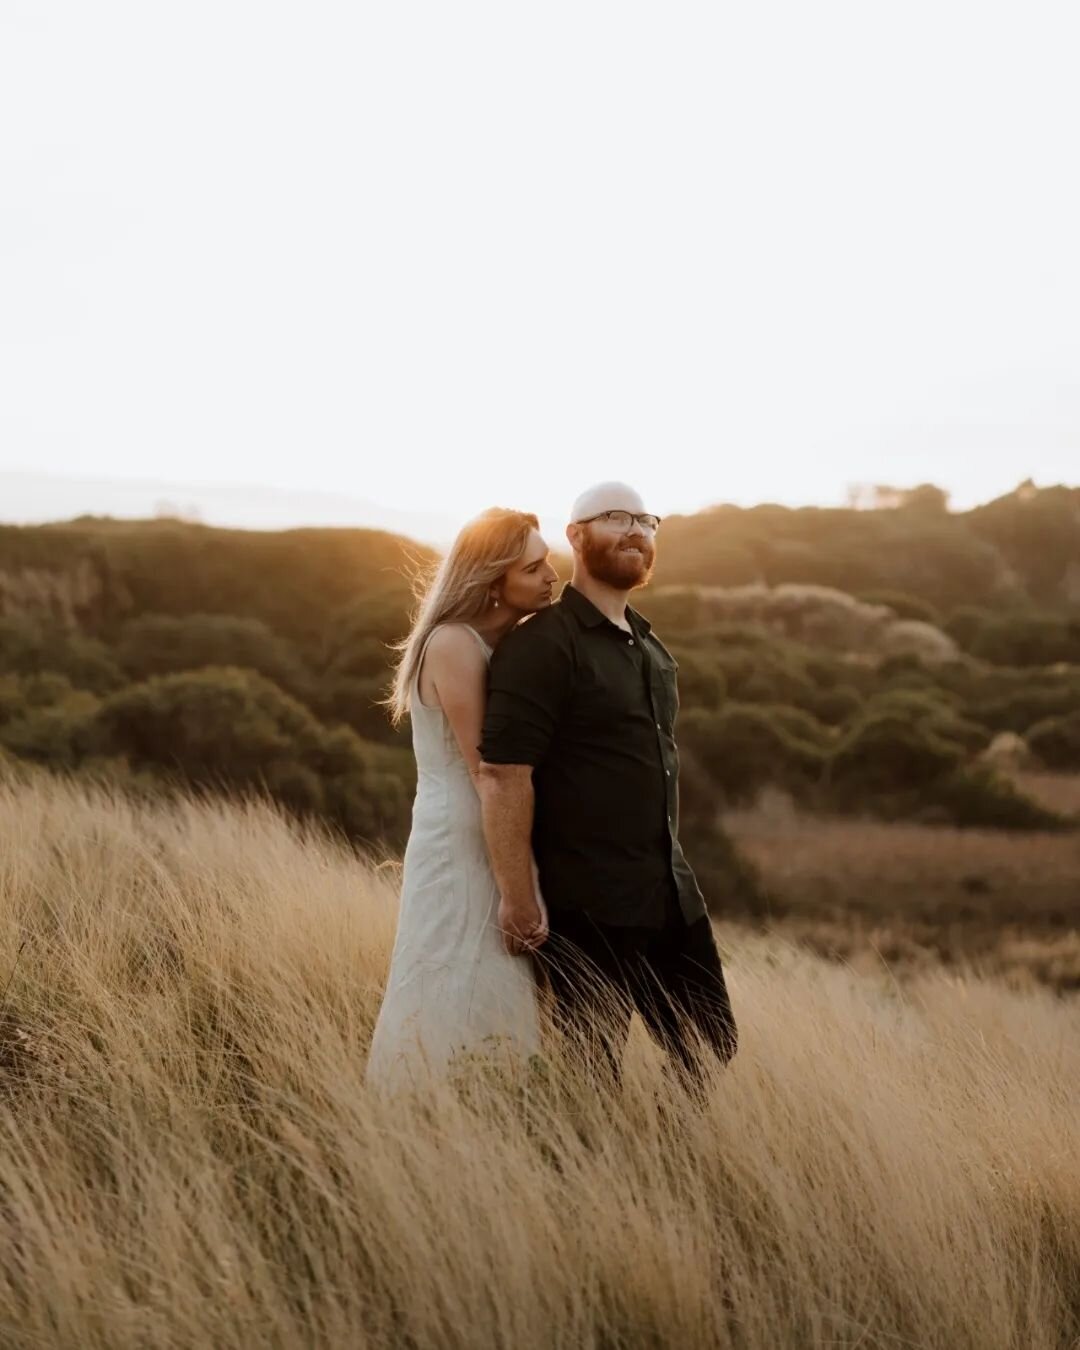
column 452, row 986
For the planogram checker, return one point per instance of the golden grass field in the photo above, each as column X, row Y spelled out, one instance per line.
column 188, row 1157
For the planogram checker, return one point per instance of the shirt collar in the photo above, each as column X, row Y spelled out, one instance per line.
column 589, row 616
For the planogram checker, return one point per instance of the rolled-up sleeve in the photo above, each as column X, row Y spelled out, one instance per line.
column 528, row 686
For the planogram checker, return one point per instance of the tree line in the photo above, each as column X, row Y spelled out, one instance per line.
column 865, row 661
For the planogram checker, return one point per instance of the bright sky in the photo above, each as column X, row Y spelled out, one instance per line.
column 441, row 255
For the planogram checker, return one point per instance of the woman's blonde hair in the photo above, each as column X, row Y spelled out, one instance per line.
column 458, row 588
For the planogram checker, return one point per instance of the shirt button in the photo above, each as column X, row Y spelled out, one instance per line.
column 659, row 727
column 668, row 772
column 630, row 641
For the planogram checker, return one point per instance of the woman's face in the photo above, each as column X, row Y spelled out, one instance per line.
column 529, row 584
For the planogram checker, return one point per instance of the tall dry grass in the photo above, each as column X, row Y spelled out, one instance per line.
column 188, row 1157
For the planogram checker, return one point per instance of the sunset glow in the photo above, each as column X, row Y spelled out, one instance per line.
column 438, row 257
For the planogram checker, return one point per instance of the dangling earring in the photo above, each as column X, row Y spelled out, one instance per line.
column 494, row 602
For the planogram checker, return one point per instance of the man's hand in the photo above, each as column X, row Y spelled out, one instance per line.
column 523, row 925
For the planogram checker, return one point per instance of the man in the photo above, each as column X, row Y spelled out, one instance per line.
column 579, row 766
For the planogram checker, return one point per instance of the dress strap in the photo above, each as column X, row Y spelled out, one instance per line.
column 423, row 650
column 476, row 635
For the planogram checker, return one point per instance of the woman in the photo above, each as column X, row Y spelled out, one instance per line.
column 454, row 985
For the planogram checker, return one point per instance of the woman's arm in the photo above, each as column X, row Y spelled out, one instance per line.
column 455, row 672
column 454, row 669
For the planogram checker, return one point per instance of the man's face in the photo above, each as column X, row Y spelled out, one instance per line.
column 622, row 559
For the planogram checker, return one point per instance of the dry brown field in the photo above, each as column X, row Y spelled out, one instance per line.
column 900, row 897
column 188, row 1157
column 1059, row 791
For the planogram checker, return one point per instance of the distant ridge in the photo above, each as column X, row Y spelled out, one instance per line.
column 31, row 498
column 1021, row 549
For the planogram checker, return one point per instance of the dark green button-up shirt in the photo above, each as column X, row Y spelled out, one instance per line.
column 592, row 709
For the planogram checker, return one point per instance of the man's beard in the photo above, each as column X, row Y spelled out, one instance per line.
column 613, row 565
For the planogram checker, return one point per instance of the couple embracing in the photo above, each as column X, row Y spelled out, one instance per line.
column 544, row 851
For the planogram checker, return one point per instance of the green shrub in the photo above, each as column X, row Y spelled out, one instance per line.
column 702, row 682
column 966, row 622
column 1021, row 710
column 764, row 675
column 978, row 797
column 744, row 747
column 356, row 702
column 674, row 609
column 214, row 724
column 357, row 638
column 1035, row 532
column 229, row 728
column 824, row 669
column 162, row 644
column 295, row 786
column 1025, row 638
column 11, row 698
column 53, row 725
column 361, row 657
column 703, row 554
column 888, row 752
column 792, row 561
column 932, row 709
column 1056, row 741
column 799, row 725
column 904, row 606
column 33, row 646
column 302, row 583
column 918, row 703
column 904, row 667
column 44, row 718
column 832, row 706
column 918, row 681
column 897, row 768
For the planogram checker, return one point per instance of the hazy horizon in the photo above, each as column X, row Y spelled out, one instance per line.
column 29, row 498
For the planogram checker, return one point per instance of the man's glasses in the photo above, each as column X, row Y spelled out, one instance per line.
column 622, row 520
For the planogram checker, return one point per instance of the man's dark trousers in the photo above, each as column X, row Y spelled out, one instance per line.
column 600, row 973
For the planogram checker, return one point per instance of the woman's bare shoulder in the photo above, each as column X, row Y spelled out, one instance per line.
column 452, row 646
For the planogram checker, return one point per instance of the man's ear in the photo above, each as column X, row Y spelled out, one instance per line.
column 573, row 536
